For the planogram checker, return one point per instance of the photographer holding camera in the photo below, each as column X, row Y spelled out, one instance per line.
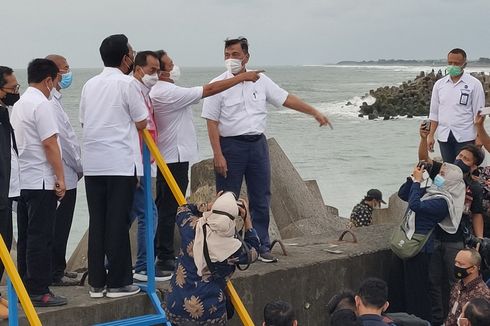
column 211, row 250
column 448, row 242
column 429, row 204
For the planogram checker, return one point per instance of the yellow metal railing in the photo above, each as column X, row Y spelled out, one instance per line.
column 179, row 196
column 19, row 287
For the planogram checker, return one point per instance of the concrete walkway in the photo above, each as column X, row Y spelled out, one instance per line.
column 307, row 278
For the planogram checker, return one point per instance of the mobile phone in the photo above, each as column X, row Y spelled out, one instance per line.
column 485, row 111
column 426, row 124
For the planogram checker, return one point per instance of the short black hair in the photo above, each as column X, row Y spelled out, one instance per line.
column 141, row 58
column 478, row 154
column 40, row 69
column 278, row 313
column 113, row 49
column 342, row 300
column 373, row 292
column 458, row 51
column 478, row 312
column 160, row 54
column 4, row 72
column 242, row 40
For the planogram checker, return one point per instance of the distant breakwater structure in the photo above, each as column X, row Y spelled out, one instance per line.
column 411, row 98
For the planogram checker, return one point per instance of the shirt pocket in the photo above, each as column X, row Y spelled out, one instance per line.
column 258, row 97
column 231, row 107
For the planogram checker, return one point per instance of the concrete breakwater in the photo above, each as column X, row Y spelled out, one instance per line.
column 411, row 98
column 316, row 267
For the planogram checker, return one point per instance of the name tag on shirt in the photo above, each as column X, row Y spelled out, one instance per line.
column 463, row 99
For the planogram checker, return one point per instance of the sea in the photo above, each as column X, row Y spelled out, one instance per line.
column 356, row 155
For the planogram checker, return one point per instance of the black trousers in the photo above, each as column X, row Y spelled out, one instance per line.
column 109, row 200
column 441, row 277
column 6, row 229
column 409, row 286
column 36, row 212
column 451, row 148
column 64, row 218
column 167, row 209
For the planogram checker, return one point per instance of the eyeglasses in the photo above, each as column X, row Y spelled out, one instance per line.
column 15, row 88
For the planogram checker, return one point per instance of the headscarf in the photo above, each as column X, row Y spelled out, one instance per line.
column 220, row 228
column 453, row 192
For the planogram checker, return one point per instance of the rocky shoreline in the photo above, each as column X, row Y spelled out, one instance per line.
column 411, row 98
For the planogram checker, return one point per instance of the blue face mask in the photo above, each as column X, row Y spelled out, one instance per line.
column 66, row 80
column 439, row 181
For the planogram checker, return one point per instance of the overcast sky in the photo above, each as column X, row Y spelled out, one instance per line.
column 280, row 32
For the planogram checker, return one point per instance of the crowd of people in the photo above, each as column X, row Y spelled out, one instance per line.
column 42, row 162
column 436, row 267
column 436, row 270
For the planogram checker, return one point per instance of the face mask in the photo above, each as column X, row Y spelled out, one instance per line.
column 439, row 181
column 150, row 80
column 454, row 71
column 130, row 67
column 234, row 66
column 461, row 272
column 10, row 99
column 51, row 92
column 465, row 168
column 66, row 80
column 175, row 73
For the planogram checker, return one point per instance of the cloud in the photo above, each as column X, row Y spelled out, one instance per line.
column 280, row 32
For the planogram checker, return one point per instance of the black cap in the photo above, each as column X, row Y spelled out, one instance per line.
column 375, row 194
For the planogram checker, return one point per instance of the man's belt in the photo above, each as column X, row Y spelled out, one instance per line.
column 246, row 138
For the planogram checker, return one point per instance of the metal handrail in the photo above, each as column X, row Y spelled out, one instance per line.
column 16, row 288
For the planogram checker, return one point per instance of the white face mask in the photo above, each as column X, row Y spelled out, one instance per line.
column 234, row 66
column 175, row 73
column 51, row 93
column 150, row 80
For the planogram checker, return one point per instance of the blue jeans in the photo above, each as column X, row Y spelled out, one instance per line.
column 249, row 159
column 138, row 212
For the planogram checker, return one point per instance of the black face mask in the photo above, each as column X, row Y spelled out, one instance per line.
column 465, row 168
column 461, row 272
column 10, row 99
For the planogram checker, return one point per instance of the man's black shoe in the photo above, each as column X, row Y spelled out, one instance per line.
column 48, row 300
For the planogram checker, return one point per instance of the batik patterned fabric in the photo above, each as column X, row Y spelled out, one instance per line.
column 195, row 299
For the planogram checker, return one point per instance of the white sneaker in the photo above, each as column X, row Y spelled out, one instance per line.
column 160, row 276
column 97, row 292
column 122, row 291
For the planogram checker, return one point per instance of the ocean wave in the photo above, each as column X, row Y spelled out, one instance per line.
column 417, row 69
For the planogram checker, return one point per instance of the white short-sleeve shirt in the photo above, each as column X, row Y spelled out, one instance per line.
column 455, row 105
column 241, row 109
column 70, row 148
column 33, row 122
column 110, row 104
column 177, row 140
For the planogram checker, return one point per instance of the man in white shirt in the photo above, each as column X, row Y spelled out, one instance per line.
column 456, row 100
column 111, row 113
column 42, row 181
column 236, row 120
column 9, row 94
column 72, row 167
column 178, row 143
column 146, row 69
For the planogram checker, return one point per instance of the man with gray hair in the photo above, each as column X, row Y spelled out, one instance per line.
column 470, row 285
column 72, row 168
